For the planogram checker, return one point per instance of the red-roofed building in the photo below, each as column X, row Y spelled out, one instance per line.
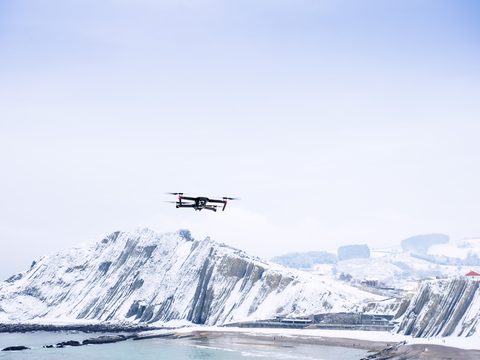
column 473, row 275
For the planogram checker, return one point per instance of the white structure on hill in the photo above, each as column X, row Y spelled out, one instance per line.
column 473, row 275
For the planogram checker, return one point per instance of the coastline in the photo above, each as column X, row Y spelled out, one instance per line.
column 86, row 328
column 380, row 345
column 379, row 349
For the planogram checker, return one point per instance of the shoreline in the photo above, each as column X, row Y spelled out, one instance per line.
column 380, row 345
column 378, row 349
column 86, row 328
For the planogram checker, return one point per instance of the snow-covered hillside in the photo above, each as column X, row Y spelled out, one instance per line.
column 456, row 248
column 397, row 269
column 443, row 308
column 155, row 278
column 394, row 267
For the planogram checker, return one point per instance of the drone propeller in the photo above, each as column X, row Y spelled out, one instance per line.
column 229, row 198
column 170, row 193
column 173, row 202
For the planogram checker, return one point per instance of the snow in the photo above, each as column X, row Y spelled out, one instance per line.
column 390, row 266
column 449, row 249
column 104, row 279
column 174, row 278
column 456, row 248
column 443, row 307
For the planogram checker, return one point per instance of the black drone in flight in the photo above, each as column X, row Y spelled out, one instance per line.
column 200, row 203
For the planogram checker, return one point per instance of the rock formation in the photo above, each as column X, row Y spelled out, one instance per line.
column 149, row 278
column 442, row 308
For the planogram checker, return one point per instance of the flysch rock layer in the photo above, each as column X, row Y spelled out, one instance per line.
column 442, row 308
column 150, row 278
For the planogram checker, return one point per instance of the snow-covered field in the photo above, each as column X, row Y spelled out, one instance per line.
column 456, row 248
column 393, row 267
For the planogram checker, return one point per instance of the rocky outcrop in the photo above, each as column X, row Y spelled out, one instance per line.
column 86, row 328
column 443, row 308
column 390, row 306
column 15, row 348
column 148, row 278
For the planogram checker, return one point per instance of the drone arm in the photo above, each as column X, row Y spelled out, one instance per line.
column 216, row 201
column 179, row 205
column 187, row 198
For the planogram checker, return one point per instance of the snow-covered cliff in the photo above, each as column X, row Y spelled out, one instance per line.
column 147, row 277
column 443, row 308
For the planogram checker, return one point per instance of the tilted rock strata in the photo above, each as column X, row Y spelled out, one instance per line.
column 443, row 308
column 144, row 277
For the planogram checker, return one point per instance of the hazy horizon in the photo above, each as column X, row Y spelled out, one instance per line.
column 336, row 122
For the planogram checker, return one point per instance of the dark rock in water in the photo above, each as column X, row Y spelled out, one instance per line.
column 105, row 339
column 164, row 335
column 69, row 343
column 21, row 328
column 98, row 340
column 15, row 348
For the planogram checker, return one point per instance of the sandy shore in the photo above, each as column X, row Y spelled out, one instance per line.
column 427, row 351
column 375, row 348
column 379, row 344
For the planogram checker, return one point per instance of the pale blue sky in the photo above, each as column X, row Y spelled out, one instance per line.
column 337, row 122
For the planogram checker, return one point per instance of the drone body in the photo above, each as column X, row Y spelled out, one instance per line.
column 201, row 202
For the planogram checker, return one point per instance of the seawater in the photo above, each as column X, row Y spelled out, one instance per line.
column 165, row 349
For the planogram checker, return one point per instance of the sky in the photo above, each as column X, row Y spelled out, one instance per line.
column 335, row 122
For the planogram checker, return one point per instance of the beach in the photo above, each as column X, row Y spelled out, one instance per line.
column 371, row 345
column 413, row 348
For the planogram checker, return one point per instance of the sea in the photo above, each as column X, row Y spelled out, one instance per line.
column 165, row 349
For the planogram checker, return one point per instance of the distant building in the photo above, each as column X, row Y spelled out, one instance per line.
column 302, row 321
column 473, row 275
column 369, row 282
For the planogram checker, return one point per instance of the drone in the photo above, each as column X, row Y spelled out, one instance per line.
column 200, row 203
